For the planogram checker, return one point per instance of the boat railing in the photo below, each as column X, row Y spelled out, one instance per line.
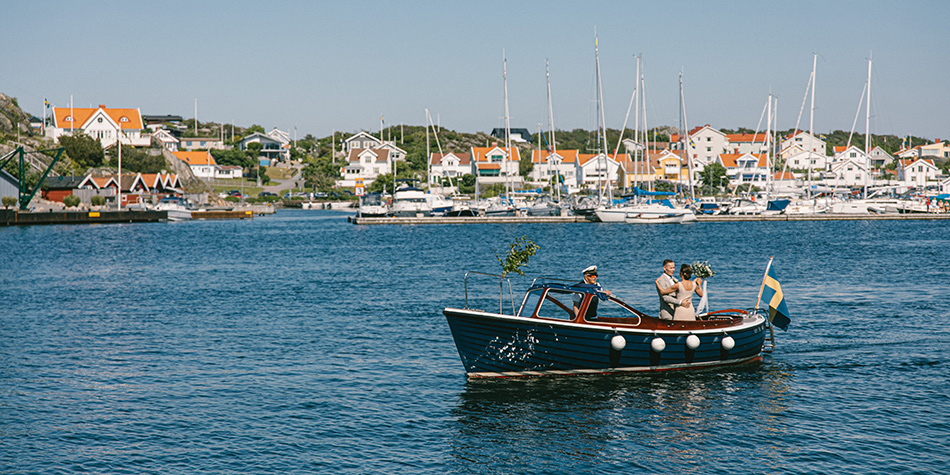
column 501, row 290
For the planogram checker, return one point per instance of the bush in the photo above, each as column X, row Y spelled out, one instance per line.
column 8, row 201
column 98, row 200
column 71, row 201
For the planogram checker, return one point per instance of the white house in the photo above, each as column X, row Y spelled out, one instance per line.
column 879, row 157
column 280, row 136
column 806, row 142
column 102, row 123
column 367, row 164
column 909, row 153
column 746, row 143
column 228, row 171
column 446, row 167
column 852, row 153
column 272, row 150
column 495, row 165
column 945, row 185
column 595, row 170
column 202, row 164
column 705, row 145
column 851, row 171
column 916, row 173
column 200, row 143
column 164, row 139
column 806, row 160
column 742, row 168
column 361, row 140
column 547, row 165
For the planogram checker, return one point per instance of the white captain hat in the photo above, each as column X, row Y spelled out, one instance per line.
column 590, row 270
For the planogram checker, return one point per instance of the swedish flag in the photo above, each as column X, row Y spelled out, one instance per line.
column 772, row 294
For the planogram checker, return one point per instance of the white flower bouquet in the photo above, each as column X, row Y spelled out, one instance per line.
column 702, row 270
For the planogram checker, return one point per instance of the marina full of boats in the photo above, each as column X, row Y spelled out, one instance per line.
column 646, row 207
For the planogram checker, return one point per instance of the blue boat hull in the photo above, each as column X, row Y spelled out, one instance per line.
column 494, row 345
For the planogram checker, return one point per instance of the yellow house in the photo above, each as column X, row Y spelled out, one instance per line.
column 658, row 165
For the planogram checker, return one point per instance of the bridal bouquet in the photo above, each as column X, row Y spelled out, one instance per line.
column 702, row 270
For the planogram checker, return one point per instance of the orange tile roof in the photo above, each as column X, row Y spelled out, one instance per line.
column 489, row 166
column 756, row 138
column 481, row 153
column 126, row 118
column 541, row 156
column 729, row 160
column 195, row 158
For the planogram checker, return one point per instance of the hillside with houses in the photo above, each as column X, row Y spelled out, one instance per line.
column 206, row 156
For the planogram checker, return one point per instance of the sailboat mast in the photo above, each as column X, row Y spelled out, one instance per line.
column 867, row 132
column 768, row 152
column 552, row 145
column 636, row 129
column 811, row 118
column 602, row 130
column 689, row 161
column 507, row 127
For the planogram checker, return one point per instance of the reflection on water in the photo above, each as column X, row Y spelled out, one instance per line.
column 647, row 421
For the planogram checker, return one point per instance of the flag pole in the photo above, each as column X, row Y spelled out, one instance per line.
column 759, row 298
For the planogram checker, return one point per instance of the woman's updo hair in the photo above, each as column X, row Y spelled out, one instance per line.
column 686, row 271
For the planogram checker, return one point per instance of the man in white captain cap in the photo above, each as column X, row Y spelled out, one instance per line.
column 590, row 281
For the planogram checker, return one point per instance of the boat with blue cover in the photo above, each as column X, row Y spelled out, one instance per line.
column 564, row 328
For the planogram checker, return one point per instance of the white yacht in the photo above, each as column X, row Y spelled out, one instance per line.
column 409, row 201
column 372, row 205
column 178, row 209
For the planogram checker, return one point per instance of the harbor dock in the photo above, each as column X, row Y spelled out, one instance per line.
column 591, row 219
column 12, row 217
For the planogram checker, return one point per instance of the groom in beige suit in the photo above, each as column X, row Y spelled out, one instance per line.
column 668, row 302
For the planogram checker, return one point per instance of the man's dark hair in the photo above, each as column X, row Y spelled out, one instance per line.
column 666, row 261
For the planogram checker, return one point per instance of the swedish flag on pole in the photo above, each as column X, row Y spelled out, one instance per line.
column 771, row 293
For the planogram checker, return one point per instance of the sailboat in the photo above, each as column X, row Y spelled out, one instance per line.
column 641, row 206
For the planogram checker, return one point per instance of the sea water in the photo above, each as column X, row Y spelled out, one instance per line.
column 300, row 343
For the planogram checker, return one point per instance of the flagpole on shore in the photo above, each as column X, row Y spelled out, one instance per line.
column 762, row 287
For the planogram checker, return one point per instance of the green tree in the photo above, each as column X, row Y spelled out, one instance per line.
column 84, row 151
column 381, row 183
column 466, row 183
column 712, row 175
column 233, row 157
column 139, row 161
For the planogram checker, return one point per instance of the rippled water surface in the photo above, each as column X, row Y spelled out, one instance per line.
column 299, row 343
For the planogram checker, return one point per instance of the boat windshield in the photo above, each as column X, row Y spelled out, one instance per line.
column 559, row 304
column 372, row 199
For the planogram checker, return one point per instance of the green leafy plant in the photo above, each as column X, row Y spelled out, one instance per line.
column 8, row 201
column 71, row 201
column 519, row 252
column 98, row 200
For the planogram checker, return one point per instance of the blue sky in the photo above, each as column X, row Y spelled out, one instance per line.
column 324, row 66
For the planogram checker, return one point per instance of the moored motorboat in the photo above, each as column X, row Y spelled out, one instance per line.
column 177, row 208
column 372, row 205
column 554, row 332
column 409, row 201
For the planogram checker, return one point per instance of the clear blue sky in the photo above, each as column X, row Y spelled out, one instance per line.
column 323, row 66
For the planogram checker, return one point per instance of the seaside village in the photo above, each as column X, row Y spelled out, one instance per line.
column 731, row 172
